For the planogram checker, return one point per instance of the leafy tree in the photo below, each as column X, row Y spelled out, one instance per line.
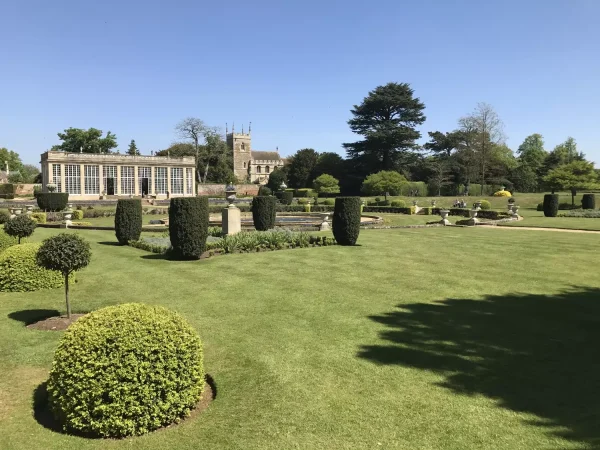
column 301, row 166
column 326, row 184
column 329, row 163
column 20, row 227
column 65, row 253
column 485, row 126
column 12, row 158
column 216, row 159
column 276, row 178
column 524, row 178
column 178, row 149
column 384, row 182
column 195, row 130
column 86, row 141
column 562, row 154
column 15, row 178
column 387, row 119
column 30, row 173
column 443, row 143
column 531, row 152
column 440, row 174
column 572, row 176
column 133, row 150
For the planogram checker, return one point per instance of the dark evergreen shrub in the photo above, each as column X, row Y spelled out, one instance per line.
column 126, row 370
column 52, row 201
column 346, row 220
column 287, row 197
column 188, row 227
column 128, row 220
column 588, row 201
column 550, row 205
column 263, row 212
column 264, row 190
column 4, row 216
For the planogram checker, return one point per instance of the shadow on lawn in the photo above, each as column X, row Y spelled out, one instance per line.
column 29, row 316
column 532, row 353
column 111, row 243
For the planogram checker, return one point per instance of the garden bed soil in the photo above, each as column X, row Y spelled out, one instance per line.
column 55, row 323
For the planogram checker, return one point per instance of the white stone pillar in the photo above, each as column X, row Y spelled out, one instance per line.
column 169, row 181
column 101, row 178
column 118, row 181
column 136, row 180
column 152, row 180
column 82, row 178
column 63, row 186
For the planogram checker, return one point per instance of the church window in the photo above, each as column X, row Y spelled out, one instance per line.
column 267, row 169
column 244, row 164
column 258, row 169
column 243, row 146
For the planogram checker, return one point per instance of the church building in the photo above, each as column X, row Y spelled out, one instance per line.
column 251, row 165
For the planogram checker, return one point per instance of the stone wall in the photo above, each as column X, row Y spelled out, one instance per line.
column 24, row 189
column 218, row 190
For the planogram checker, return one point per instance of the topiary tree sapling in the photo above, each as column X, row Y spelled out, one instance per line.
column 66, row 253
column 20, row 227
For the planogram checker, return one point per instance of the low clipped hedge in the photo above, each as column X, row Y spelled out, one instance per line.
column 39, row 217
column 305, row 192
column 486, row 205
column 78, row 214
column 7, row 191
column 550, row 205
column 188, row 226
column 128, row 220
column 588, row 201
column 4, row 216
column 346, row 220
column 19, row 271
column 126, row 370
column 6, row 241
column 390, row 209
column 263, row 212
column 52, row 201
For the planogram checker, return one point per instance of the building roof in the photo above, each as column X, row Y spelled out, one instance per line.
column 265, row 156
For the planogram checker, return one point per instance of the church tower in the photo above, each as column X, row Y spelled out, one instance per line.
column 239, row 145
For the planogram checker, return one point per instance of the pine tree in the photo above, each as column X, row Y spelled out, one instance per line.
column 133, row 150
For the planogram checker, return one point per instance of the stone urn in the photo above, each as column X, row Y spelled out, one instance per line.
column 230, row 192
column 510, row 207
column 29, row 209
column 515, row 211
column 473, row 215
column 477, row 205
column 70, row 206
column 325, row 225
column 444, row 213
column 68, row 215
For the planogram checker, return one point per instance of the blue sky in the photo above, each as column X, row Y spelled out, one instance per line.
column 293, row 68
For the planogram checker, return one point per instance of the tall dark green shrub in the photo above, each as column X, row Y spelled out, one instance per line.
column 588, row 201
column 287, row 197
column 188, row 227
column 263, row 212
column 550, row 205
column 346, row 220
column 128, row 220
column 52, row 201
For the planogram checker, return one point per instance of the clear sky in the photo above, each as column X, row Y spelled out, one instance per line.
column 293, row 68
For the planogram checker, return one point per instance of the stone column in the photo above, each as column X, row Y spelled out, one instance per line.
column 169, row 181
column 82, row 178
column 153, row 180
column 63, row 186
column 231, row 222
column 101, row 178
column 136, row 181
column 118, row 181
column 185, row 193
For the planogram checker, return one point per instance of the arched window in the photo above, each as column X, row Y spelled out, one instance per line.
column 244, row 164
column 258, row 169
column 243, row 146
column 267, row 169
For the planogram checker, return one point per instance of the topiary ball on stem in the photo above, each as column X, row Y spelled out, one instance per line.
column 346, row 220
column 126, row 370
column 20, row 227
column 128, row 220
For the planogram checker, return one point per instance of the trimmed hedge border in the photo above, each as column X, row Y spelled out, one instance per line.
column 588, row 201
column 52, row 201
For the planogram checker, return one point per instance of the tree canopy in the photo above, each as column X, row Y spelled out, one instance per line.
column 387, row 119
column 574, row 175
column 77, row 140
column 301, row 167
column 326, row 184
column 384, row 182
column 132, row 149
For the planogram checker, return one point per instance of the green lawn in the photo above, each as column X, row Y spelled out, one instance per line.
column 437, row 338
column 533, row 218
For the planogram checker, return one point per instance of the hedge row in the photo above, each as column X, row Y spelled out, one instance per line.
column 7, row 191
column 52, row 201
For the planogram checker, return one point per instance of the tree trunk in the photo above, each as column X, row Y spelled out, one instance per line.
column 206, row 172
column 67, row 296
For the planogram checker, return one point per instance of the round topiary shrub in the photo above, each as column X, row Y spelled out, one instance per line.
column 188, row 227
column 328, row 202
column 346, row 220
column 264, row 190
column 126, row 370
column 128, row 220
column 588, row 201
column 52, row 201
column 6, row 241
column 398, row 204
column 263, row 212
column 20, row 227
column 551, row 205
column 485, row 205
column 19, row 271
column 4, row 216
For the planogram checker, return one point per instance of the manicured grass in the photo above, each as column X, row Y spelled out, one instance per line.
column 408, row 219
column 533, row 218
column 438, row 338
